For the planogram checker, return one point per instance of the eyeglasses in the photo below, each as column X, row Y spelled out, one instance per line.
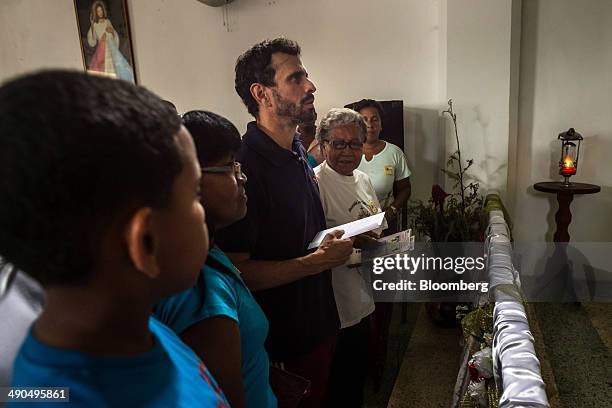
column 235, row 168
column 341, row 145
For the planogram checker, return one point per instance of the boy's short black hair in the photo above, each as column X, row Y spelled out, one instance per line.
column 214, row 136
column 254, row 66
column 78, row 152
column 367, row 103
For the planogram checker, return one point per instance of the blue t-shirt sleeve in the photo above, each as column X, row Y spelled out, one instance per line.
column 178, row 312
column 221, row 297
column 181, row 311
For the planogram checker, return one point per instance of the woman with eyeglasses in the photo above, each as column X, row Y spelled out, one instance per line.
column 347, row 195
column 219, row 318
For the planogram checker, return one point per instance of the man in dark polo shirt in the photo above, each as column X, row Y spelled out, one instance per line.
column 269, row 246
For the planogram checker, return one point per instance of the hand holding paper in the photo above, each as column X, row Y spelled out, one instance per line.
column 333, row 251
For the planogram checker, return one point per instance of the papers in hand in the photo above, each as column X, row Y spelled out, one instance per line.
column 398, row 243
column 352, row 228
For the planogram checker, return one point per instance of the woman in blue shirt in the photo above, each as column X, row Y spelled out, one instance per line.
column 218, row 317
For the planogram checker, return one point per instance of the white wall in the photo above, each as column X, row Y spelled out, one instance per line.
column 421, row 51
column 388, row 49
column 479, row 80
column 36, row 34
column 352, row 49
column 566, row 81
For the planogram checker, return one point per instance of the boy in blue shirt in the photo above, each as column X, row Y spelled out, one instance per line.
column 100, row 203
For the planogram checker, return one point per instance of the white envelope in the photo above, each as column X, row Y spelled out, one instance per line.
column 352, row 228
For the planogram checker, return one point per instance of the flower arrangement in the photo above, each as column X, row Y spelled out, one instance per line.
column 477, row 327
column 455, row 216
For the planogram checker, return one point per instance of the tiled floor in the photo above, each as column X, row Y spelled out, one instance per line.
column 430, row 365
column 422, row 363
column 577, row 341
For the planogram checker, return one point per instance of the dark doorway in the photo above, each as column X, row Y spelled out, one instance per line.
column 392, row 122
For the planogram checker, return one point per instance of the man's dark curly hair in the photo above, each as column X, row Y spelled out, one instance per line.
column 254, row 67
column 367, row 103
column 77, row 153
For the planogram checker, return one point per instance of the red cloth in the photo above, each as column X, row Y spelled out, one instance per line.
column 96, row 63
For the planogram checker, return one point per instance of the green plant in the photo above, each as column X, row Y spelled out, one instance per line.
column 454, row 216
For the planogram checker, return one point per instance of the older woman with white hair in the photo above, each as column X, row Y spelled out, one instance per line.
column 347, row 195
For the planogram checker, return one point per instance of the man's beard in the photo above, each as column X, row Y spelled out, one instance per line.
column 296, row 113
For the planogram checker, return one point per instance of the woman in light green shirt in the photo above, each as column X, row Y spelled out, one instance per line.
column 384, row 162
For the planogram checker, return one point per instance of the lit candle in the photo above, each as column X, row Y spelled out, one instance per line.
column 568, row 167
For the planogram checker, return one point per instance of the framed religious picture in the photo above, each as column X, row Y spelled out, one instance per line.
column 104, row 33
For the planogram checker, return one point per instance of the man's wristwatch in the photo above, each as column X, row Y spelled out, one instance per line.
column 393, row 210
